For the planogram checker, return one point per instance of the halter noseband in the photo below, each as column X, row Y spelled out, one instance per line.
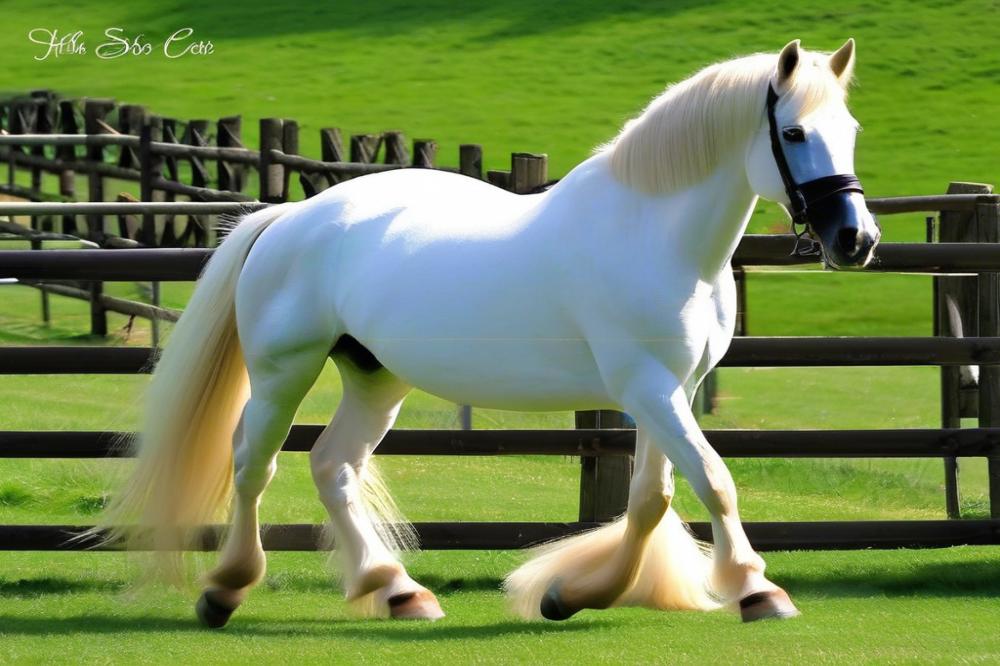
column 803, row 195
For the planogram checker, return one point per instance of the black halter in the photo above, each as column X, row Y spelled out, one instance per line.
column 803, row 197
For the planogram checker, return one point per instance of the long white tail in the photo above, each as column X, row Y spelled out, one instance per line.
column 675, row 572
column 184, row 474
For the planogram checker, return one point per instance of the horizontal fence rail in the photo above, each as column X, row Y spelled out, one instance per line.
column 130, row 207
column 929, row 203
column 903, row 443
column 185, row 264
column 237, row 155
column 885, row 205
column 126, row 265
column 820, row 535
column 743, row 352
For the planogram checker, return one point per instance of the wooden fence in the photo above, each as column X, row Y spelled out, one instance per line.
column 166, row 158
column 126, row 143
column 603, row 486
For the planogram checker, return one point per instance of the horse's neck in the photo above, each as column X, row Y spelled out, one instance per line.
column 719, row 210
column 705, row 221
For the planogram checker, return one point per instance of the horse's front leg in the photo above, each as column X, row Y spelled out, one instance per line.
column 613, row 572
column 657, row 400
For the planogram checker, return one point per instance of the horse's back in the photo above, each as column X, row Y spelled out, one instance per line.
column 446, row 280
column 428, row 202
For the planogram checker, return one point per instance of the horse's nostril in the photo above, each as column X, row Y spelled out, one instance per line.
column 848, row 240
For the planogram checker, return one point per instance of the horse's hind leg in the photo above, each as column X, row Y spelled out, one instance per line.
column 278, row 382
column 339, row 458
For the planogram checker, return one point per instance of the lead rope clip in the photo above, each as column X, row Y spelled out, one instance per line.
column 804, row 246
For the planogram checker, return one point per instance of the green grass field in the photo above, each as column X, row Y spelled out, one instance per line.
column 558, row 78
column 860, row 607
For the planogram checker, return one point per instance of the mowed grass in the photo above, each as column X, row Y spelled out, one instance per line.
column 560, row 79
column 858, row 607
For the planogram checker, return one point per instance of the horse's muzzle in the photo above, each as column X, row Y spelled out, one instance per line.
column 846, row 230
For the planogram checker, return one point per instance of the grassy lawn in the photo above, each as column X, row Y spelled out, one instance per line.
column 884, row 607
column 556, row 78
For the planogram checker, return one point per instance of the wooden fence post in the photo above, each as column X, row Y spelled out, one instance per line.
column 364, row 147
column 98, row 315
column 46, row 310
column 23, row 117
column 229, row 133
column 94, row 112
column 528, row 172
column 149, row 169
column 150, row 166
column 196, row 134
column 289, row 146
column 131, row 118
column 44, row 123
column 470, row 160
column 604, row 480
column 170, row 170
column 154, row 299
column 988, row 222
column 395, row 148
column 331, row 145
column 29, row 121
column 5, row 125
column 956, row 315
column 67, row 178
column 424, row 153
column 332, row 150
column 272, row 175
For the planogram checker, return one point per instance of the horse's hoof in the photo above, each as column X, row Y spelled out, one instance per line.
column 771, row 605
column 552, row 606
column 212, row 614
column 419, row 605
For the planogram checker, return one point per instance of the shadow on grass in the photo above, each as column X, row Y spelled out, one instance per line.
column 508, row 19
column 27, row 588
column 374, row 630
column 441, row 585
column 51, row 585
column 380, row 631
column 955, row 579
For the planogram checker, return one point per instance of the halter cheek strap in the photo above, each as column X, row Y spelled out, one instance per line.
column 803, row 195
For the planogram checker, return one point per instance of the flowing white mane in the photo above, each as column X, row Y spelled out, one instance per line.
column 680, row 137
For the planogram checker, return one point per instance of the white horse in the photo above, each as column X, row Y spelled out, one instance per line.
column 613, row 290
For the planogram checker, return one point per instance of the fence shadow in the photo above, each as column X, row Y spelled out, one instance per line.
column 941, row 579
column 374, row 630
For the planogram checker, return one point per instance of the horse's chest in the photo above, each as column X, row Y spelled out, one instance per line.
column 691, row 330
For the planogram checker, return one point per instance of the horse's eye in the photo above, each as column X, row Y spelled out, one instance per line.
column 793, row 134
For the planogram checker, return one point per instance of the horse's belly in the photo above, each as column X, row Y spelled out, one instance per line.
column 499, row 373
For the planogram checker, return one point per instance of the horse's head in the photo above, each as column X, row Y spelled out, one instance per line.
column 803, row 155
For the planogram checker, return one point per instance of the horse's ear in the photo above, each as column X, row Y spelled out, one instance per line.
column 842, row 62
column 788, row 60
